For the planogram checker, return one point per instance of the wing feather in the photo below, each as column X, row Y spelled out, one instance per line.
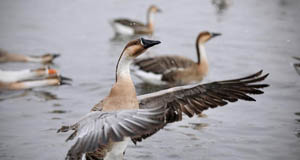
column 101, row 128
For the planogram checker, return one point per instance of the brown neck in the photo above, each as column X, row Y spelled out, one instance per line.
column 123, row 94
column 150, row 23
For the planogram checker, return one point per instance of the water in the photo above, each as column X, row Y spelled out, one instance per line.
column 256, row 35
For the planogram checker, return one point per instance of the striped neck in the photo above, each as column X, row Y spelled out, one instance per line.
column 201, row 53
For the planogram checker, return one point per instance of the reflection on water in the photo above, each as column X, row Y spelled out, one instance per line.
column 57, row 111
column 297, row 65
column 28, row 94
column 298, row 122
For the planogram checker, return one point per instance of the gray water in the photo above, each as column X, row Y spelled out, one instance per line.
column 256, row 35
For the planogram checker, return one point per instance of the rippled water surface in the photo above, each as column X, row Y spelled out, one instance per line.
column 256, row 35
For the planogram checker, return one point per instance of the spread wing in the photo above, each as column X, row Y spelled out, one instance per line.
column 193, row 99
column 128, row 22
column 100, row 128
column 163, row 64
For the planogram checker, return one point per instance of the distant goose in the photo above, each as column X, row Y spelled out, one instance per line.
column 53, row 81
column 297, row 65
column 13, row 57
column 26, row 74
column 175, row 70
column 130, row 27
column 104, row 133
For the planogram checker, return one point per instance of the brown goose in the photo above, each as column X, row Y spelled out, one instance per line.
column 175, row 70
column 105, row 132
column 13, row 57
column 130, row 27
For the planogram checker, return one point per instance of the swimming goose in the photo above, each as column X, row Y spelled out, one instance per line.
column 28, row 84
column 130, row 27
column 297, row 65
column 26, row 74
column 175, row 70
column 13, row 57
column 105, row 132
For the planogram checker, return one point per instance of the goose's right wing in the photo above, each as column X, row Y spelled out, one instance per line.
column 98, row 128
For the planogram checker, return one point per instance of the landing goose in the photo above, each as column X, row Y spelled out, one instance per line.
column 29, row 84
column 13, row 57
column 175, row 70
column 124, row 26
column 26, row 74
column 105, row 132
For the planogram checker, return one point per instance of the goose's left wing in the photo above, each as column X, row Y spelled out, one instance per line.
column 193, row 99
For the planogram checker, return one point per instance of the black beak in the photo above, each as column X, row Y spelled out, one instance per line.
column 62, row 78
column 148, row 43
column 65, row 83
column 55, row 55
column 159, row 10
column 215, row 34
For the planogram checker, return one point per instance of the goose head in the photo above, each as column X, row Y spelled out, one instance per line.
column 203, row 37
column 45, row 71
column 132, row 50
column 137, row 47
column 154, row 9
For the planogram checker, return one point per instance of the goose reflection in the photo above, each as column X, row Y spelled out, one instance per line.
column 297, row 65
column 40, row 95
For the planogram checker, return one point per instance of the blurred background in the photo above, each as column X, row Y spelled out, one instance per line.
column 255, row 35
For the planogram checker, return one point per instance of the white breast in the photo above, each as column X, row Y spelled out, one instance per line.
column 121, row 29
column 118, row 150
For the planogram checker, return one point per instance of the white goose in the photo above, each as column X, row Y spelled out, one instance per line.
column 104, row 133
column 13, row 57
column 26, row 74
column 29, row 84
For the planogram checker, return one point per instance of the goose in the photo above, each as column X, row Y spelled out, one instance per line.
column 13, row 57
column 29, row 84
column 26, row 74
column 124, row 26
column 105, row 132
column 175, row 70
column 297, row 65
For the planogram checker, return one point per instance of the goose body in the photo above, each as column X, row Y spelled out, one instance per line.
column 26, row 74
column 175, row 70
column 13, row 57
column 104, row 133
column 29, row 84
column 123, row 26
